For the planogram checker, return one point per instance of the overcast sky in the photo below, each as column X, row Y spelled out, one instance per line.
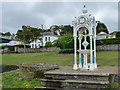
column 16, row 14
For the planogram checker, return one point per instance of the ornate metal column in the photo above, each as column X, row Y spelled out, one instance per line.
column 80, row 62
column 75, row 54
column 95, row 65
column 85, row 25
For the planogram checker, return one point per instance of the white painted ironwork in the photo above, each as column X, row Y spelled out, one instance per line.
column 85, row 25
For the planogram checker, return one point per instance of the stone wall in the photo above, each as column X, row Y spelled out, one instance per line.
column 114, row 78
column 112, row 47
column 35, row 70
column 6, row 68
column 35, row 50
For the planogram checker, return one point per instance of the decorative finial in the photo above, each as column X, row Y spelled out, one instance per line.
column 84, row 6
column 84, row 10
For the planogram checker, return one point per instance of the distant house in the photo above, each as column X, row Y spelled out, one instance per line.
column 9, row 40
column 112, row 35
column 12, row 42
column 47, row 37
column 102, row 35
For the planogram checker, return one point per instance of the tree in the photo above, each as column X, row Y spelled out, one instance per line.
column 20, row 35
column 7, row 34
column 67, row 29
column 48, row 44
column 28, row 34
column 36, row 33
column 101, row 27
column 24, row 35
column 118, row 34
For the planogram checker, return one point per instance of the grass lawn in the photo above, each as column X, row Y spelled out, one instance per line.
column 103, row 58
column 12, row 80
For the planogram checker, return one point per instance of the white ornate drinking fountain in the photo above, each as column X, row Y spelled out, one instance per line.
column 83, row 26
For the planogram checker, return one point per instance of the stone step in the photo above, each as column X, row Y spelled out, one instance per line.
column 78, row 76
column 53, row 88
column 75, row 84
column 46, row 88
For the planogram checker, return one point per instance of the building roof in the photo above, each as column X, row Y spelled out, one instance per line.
column 102, row 33
column 50, row 33
column 54, row 41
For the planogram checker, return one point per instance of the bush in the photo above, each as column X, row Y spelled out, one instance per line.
column 108, row 41
column 48, row 44
column 22, row 46
column 54, row 45
column 118, row 34
column 11, row 47
column 67, row 42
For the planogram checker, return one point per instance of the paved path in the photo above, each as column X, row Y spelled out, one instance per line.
column 68, row 69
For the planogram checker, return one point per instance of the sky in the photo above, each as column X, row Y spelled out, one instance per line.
column 16, row 14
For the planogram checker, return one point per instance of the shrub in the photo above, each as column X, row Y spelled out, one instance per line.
column 48, row 44
column 54, row 45
column 108, row 41
column 118, row 34
column 11, row 47
column 67, row 42
column 22, row 46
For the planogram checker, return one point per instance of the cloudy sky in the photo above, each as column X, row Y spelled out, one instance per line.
column 16, row 14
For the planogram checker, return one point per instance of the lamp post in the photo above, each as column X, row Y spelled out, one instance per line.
column 42, row 35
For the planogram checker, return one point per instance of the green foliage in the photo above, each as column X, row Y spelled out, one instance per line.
column 48, row 44
column 11, row 47
column 12, row 80
column 54, row 45
column 65, row 42
column 101, row 27
column 118, row 34
column 108, row 41
column 7, row 34
column 28, row 34
column 112, row 87
column 67, row 29
column 22, row 46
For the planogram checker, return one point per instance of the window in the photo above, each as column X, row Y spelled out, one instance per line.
column 39, row 45
column 45, row 38
column 35, row 45
column 49, row 38
column 32, row 45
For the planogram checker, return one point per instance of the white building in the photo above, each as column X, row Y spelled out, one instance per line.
column 102, row 35
column 113, row 34
column 47, row 37
column 12, row 42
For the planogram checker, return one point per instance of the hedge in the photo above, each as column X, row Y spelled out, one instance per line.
column 67, row 42
column 118, row 34
column 11, row 47
column 108, row 41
